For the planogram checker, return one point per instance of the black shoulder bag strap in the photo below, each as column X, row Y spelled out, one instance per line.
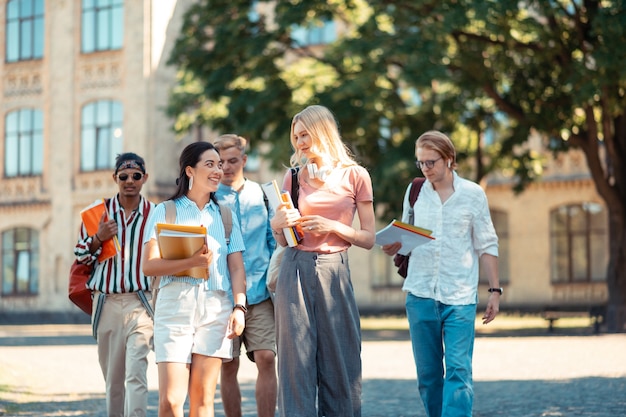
column 294, row 186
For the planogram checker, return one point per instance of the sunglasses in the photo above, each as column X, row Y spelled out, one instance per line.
column 136, row 176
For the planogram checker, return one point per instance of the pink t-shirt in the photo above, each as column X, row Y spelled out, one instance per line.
column 336, row 200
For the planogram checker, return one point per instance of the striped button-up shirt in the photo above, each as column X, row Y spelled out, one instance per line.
column 121, row 273
column 446, row 269
column 188, row 213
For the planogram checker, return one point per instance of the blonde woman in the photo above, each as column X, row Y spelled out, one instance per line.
column 317, row 320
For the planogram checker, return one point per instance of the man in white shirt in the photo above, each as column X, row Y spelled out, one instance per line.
column 442, row 278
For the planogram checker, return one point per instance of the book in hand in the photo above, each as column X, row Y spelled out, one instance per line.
column 275, row 197
column 177, row 241
column 410, row 236
column 91, row 216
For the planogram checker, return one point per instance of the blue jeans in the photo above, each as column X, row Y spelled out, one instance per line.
column 441, row 331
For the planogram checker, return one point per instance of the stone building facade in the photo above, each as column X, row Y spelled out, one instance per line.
column 81, row 82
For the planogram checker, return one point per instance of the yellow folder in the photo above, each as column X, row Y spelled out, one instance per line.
column 178, row 241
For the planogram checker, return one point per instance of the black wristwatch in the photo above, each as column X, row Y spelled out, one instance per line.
column 241, row 307
column 500, row 290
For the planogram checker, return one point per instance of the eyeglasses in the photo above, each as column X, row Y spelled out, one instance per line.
column 136, row 176
column 429, row 164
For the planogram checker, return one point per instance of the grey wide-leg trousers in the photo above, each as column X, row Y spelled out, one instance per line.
column 319, row 336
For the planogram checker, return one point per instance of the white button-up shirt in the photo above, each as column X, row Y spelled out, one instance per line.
column 446, row 269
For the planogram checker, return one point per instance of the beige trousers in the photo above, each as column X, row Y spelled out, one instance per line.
column 124, row 336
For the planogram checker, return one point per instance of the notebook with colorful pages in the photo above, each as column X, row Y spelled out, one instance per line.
column 410, row 236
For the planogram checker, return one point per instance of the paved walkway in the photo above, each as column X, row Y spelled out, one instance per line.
column 52, row 370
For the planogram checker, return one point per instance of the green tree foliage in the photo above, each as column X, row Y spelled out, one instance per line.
column 488, row 72
column 242, row 69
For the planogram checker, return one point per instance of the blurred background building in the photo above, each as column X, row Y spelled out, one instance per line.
column 84, row 80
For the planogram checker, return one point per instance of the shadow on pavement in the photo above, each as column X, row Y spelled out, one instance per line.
column 597, row 397
column 587, row 397
column 61, row 340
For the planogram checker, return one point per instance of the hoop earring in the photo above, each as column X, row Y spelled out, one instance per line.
column 190, row 183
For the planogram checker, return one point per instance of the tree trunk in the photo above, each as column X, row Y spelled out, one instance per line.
column 616, row 272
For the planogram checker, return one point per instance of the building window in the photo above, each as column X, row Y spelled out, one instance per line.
column 24, row 30
column 101, row 135
column 102, row 25
column 579, row 243
column 20, row 262
column 23, row 143
column 316, row 33
column 500, row 221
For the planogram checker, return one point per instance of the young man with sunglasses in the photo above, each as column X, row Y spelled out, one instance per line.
column 442, row 277
column 122, row 315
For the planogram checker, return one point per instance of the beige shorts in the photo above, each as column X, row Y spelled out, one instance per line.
column 260, row 331
column 189, row 319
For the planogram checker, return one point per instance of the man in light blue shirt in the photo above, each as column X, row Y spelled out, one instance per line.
column 248, row 202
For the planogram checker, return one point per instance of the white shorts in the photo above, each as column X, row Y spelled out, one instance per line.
column 189, row 319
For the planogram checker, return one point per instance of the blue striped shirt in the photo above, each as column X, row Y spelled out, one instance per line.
column 188, row 213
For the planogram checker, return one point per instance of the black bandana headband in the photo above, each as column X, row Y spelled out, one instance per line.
column 130, row 163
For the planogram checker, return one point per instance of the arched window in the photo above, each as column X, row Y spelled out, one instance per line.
column 101, row 135
column 23, row 143
column 24, row 30
column 20, row 262
column 102, row 25
column 579, row 243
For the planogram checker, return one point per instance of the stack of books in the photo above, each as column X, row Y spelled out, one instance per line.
column 275, row 197
column 178, row 241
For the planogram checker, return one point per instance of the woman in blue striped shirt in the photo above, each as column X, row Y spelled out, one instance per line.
column 196, row 318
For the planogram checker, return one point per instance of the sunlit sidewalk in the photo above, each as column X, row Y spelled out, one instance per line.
column 52, row 370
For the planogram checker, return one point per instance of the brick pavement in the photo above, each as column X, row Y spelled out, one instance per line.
column 52, row 370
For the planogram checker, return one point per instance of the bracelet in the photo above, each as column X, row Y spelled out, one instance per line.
column 96, row 236
column 240, row 307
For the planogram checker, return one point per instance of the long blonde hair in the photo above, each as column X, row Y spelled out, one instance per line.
column 322, row 127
